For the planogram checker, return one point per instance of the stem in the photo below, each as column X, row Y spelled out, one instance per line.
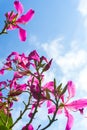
column 39, row 95
column 53, row 118
column 35, row 111
column 22, row 113
column 4, row 29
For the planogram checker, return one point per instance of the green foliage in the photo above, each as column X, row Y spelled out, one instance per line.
column 64, row 90
column 47, row 94
column 5, row 121
column 2, row 127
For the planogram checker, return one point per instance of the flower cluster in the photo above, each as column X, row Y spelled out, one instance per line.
column 32, row 68
column 14, row 19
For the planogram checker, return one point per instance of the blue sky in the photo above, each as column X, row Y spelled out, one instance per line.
column 58, row 30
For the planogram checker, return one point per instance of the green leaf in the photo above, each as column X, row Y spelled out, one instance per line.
column 54, row 83
column 59, row 88
column 47, row 94
column 64, row 90
column 5, row 120
column 2, row 127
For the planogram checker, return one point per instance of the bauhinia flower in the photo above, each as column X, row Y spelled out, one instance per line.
column 13, row 20
column 28, row 127
column 77, row 105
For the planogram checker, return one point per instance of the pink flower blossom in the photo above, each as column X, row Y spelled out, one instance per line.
column 1, row 96
column 2, row 71
column 77, row 105
column 7, row 66
column 49, row 86
column 21, row 59
column 13, row 20
column 28, row 127
column 47, row 66
column 34, row 56
column 3, row 83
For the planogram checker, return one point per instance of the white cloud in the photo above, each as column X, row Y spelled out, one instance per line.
column 53, row 48
column 82, row 7
column 72, row 62
column 82, row 78
column 49, row 76
column 85, row 22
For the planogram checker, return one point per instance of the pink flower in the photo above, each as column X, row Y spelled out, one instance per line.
column 47, row 66
column 22, row 60
column 7, row 66
column 34, row 56
column 13, row 20
column 77, row 105
column 1, row 71
column 49, row 86
column 1, row 96
column 3, row 83
column 28, row 127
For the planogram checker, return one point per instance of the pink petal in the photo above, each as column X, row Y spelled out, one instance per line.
column 1, row 96
column 18, row 6
column 11, row 55
column 3, row 83
column 25, row 18
column 71, row 89
column 49, row 85
column 22, row 34
column 44, row 58
column 17, row 75
column 2, row 71
column 70, row 120
column 28, row 127
column 34, row 56
column 51, row 109
column 47, row 65
column 11, row 16
column 22, row 87
column 49, row 103
column 77, row 104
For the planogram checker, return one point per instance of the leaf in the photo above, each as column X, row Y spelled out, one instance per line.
column 59, row 88
column 47, row 66
column 47, row 94
column 2, row 127
column 64, row 90
column 3, row 119
column 54, row 83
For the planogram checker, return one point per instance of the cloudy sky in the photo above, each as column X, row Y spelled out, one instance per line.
column 59, row 31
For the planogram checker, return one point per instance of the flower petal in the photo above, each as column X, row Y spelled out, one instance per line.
column 44, row 58
column 47, row 66
column 49, row 85
column 70, row 120
column 51, row 109
column 2, row 71
column 34, row 56
column 19, row 7
column 77, row 104
column 71, row 89
column 25, row 18
column 22, row 34
column 28, row 127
